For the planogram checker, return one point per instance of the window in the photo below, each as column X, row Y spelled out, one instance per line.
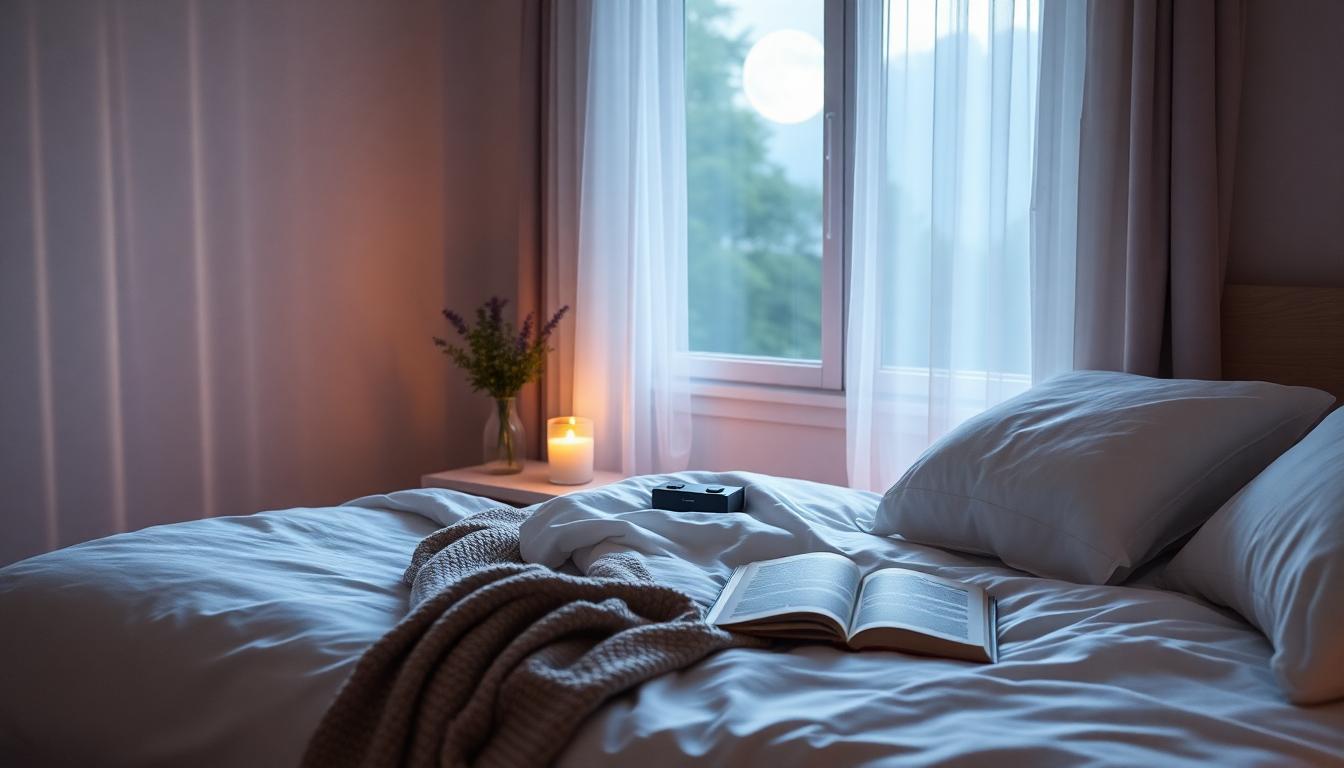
column 765, row 185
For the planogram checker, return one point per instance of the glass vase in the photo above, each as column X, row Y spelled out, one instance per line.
column 503, row 438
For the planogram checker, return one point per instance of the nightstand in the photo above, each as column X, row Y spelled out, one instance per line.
column 522, row 489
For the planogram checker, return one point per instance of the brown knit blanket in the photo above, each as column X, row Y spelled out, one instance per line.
column 499, row 661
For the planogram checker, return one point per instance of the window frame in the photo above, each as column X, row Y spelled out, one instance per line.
column 828, row 372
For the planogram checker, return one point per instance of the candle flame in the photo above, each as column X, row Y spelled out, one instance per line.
column 569, row 435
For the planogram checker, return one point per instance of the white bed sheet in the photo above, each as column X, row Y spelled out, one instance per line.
column 221, row 642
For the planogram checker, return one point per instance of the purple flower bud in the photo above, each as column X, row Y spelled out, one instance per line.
column 496, row 306
column 456, row 321
column 551, row 324
column 525, row 333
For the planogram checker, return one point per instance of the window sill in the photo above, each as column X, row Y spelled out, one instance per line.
column 771, row 404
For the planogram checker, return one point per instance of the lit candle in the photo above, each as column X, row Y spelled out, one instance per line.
column 569, row 448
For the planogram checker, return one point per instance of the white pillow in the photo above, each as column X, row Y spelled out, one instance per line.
column 1090, row 474
column 1275, row 554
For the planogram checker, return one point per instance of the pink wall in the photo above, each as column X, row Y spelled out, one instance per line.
column 1288, row 209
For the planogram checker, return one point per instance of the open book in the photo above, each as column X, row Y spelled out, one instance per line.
column 824, row 596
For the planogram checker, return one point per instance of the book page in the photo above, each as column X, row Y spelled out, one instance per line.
column 818, row 582
column 895, row 597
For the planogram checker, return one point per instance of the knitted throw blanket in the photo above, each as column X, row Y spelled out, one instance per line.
column 499, row 661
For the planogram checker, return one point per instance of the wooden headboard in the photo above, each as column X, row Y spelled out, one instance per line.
column 1285, row 334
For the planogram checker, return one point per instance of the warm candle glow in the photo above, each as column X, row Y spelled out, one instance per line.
column 569, row 449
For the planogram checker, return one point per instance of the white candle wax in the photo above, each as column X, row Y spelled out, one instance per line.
column 571, row 459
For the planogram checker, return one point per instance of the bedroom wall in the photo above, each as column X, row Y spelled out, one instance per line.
column 222, row 241
column 809, row 451
column 1288, row 204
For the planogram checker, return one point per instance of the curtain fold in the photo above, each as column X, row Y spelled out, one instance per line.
column 616, row 228
column 221, row 259
column 1054, row 206
column 1158, row 136
column 533, row 42
column 564, row 94
column 939, row 301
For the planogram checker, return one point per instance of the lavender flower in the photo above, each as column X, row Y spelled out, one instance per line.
column 550, row 326
column 496, row 359
column 456, row 321
column 496, row 306
column 521, row 344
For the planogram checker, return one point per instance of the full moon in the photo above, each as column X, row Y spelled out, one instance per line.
column 784, row 76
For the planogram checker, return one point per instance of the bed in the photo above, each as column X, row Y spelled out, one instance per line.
column 223, row 641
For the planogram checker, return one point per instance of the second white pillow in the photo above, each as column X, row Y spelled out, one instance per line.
column 1090, row 474
column 1275, row 554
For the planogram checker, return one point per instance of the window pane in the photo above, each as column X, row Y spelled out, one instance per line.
column 754, row 131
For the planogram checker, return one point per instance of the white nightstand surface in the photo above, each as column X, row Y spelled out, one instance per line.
column 522, row 489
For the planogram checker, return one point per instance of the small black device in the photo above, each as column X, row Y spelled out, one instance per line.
column 693, row 497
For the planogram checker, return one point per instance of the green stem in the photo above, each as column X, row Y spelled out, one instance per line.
column 505, row 434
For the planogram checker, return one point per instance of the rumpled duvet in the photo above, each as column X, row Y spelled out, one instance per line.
column 499, row 660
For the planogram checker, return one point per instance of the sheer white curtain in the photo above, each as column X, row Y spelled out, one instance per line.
column 618, row 146
column 941, row 280
column 1054, row 206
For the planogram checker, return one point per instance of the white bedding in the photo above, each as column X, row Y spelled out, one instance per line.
column 220, row 642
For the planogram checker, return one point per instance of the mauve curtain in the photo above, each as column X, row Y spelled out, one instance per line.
column 1158, row 142
column 616, row 227
column 221, row 234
